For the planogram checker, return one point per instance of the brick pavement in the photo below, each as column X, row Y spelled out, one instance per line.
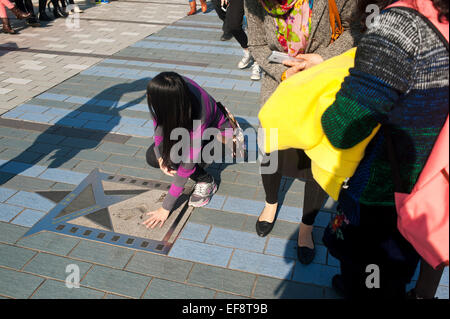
column 96, row 117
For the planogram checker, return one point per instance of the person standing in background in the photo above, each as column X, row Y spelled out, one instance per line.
column 193, row 5
column 231, row 12
column 302, row 29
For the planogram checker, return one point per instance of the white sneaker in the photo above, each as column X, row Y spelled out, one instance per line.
column 246, row 60
column 256, row 72
column 77, row 9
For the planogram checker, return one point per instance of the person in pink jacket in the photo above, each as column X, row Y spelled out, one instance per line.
column 18, row 13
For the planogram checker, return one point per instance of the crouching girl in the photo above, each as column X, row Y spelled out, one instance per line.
column 177, row 102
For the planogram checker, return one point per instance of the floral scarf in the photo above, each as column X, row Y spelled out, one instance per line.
column 293, row 20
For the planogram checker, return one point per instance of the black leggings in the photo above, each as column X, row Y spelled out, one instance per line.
column 200, row 175
column 314, row 194
column 232, row 20
column 25, row 6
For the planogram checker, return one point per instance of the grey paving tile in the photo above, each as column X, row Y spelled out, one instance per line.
column 235, row 190
column 196, row 232
column 10, row 233
column 49, row 242
column 52, row 289
column 218, row 218
column 102, row 254
column 116, row 281
column 18, row 285
column 200, row 252
column 118, row 148
column 236, row 239
column 222, row 279
column 222, row 295
column 14, row 257
column 160, row 266
column 262, row 264
column 270, row 288
column 54, row 266
column 163, row 289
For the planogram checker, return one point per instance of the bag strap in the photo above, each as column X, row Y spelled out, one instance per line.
column 336, row 31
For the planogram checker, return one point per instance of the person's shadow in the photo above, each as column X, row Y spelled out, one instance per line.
column 60, row 156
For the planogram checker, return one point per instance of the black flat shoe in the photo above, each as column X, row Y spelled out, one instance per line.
column 305, row 254
column 263, row 228
column 226, row 37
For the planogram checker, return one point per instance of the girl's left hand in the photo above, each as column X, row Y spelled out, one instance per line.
column 156, row 217
column 309, row 60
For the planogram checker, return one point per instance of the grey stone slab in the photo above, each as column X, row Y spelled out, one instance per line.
column 14, row 257
column 223, row 295
column 87, row 167
column 116, row 281
column 28, row 183
column 52, row 289
column 19, row 155
column 102, row 254
column 160, row 266
column 235, row 190
column 118, row 148
column 218, row 218
column 123, row 160
column 164, row 289
column 54, row 266
column 222, row 279
column 10, row 233
column 17, row 284
column 49, row 242
column 270, row 288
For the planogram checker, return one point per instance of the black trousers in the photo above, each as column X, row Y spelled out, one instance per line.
column 295, row 163
column 200, row 175
column 25, row 6
column 232, row 20
column 376, row 241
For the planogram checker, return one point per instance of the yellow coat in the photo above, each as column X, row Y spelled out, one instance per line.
column 295, row 109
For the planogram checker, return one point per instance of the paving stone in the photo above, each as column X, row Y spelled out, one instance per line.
column 20, row 156
column 238, row 191
column 315, row 274
column 18, row 285
column 196, row 232
column 54, row 266
column 88, row 155
column 199, row 252
column 159, row 266
column 218, row 218
column 442, row 292
column 14, row 257
column 116, row 281
column 270, row 288
column 10, row 233
column 6, row 193
column 244, row 206
column 216, row 202
column 163, row 289
column 28, row 218
column 52, row 289
column 127, row 161
column 102, row 254
column 63, row 176
column 118, row 148
column 222, row 295
column 222, row 279
column 49, row 242
column 8, row 212
column 262, row 264
column 236, row 239
column 31, row 200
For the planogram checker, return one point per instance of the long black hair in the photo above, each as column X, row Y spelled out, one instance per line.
column 171, row 104
column 441, row 5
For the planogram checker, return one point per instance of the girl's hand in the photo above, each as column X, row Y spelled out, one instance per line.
column 165, row 170
column 308, row 61
column 156, row 217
